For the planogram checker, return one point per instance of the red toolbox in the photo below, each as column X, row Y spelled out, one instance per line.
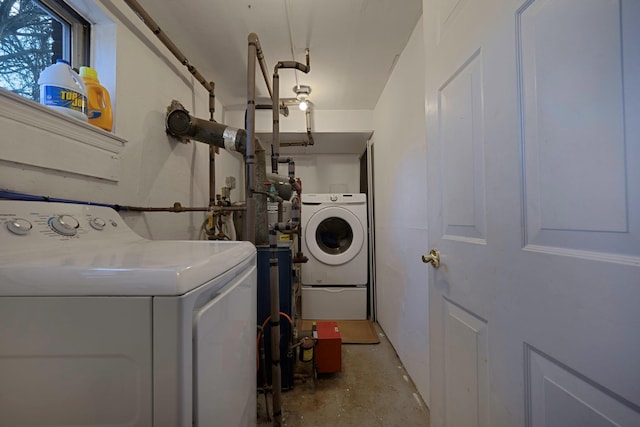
column 329, row 348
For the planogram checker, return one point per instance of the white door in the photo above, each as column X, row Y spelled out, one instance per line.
column 533, row 132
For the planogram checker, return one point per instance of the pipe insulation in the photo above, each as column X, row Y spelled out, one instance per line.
column 180, row 124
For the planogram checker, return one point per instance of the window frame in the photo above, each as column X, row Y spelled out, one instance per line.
column 79, row 43
column 72, row 35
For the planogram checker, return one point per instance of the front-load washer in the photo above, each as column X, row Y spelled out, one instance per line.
column 99, row 326
column 334, row 238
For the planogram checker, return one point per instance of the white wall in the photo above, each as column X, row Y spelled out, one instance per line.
column 400, row 211
column 321, row 120
column 327, row 173
column 154, row 170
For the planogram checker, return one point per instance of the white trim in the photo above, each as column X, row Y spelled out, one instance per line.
column 36, row 135
column 373, row 302
column 587, row 255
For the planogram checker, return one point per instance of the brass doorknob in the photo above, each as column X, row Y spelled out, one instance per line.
column 433, row 258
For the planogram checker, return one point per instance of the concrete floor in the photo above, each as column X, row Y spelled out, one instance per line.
column 373, row 389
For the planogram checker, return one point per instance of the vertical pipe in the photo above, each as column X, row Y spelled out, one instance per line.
column 276, row 378
column 261, row 224
column 212, row 176
column 249, row 230
column 212, row 150
column 275, row 138
column 308, row 120
column 275, row 99
column 292, row 174
column 212, row 101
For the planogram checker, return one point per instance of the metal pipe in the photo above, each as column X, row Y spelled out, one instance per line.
column 282, row 185
column 263, row 363
column 212, row 101
column 250, row 126
column 295, row 144
column 261, row 227
column 212, row 176
column 180, row 124
column 276, row 379
column 212, row 150
column 308, row 120
column 208, row 85
column 275, row 138
column 177, row 208
column 255, row 42
column 275, row 101
column 153, row 26
column 293, row 101
column 284, row 109
column 292, row 177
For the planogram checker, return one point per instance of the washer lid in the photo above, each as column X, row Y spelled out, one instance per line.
column 334, row 235
column 140, row 267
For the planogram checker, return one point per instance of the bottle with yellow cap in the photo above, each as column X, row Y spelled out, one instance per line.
column 99, row 108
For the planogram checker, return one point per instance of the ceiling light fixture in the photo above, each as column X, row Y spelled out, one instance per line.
column 302, row 95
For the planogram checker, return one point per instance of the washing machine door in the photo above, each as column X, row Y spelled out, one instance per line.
column 334, row 235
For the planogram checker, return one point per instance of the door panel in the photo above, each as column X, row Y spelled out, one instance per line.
column 561, row 397
column 466, row 361
column 534, row 203
column 463, row 168
column 573, row 113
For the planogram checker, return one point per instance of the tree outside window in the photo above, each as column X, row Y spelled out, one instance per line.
column 33, row 34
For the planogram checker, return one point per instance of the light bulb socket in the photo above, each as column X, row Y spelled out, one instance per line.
column 302, row 95
column 302, row 92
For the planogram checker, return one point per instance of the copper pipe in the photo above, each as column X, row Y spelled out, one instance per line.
column 177, row 208
column 250, row 126
column 153, row 26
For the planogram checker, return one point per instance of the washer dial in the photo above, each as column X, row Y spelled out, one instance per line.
column 19, row 226
column 98, row 223
column 64, row 224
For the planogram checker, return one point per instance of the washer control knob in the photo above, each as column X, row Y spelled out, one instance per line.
column 98, row 223
column 64, row 224
column 19, row 226
column 334, row 198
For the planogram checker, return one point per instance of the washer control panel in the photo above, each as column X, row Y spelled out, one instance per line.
column 43, row 221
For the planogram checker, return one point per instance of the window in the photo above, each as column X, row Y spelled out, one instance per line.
column 33, row 34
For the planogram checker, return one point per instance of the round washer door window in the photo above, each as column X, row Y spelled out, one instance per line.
column 334, row 235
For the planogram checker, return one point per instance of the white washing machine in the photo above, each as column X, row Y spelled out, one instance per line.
column 99, row 326
column 334, row 238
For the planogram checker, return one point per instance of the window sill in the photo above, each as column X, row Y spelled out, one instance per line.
column 39, row 136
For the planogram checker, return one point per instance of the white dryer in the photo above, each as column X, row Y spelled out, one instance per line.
column 99, row 326
column 334, row 238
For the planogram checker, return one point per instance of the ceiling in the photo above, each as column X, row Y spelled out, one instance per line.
column 353, row 44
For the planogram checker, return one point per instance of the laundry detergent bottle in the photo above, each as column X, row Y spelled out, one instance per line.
column 62, row 89
column 99, row 110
